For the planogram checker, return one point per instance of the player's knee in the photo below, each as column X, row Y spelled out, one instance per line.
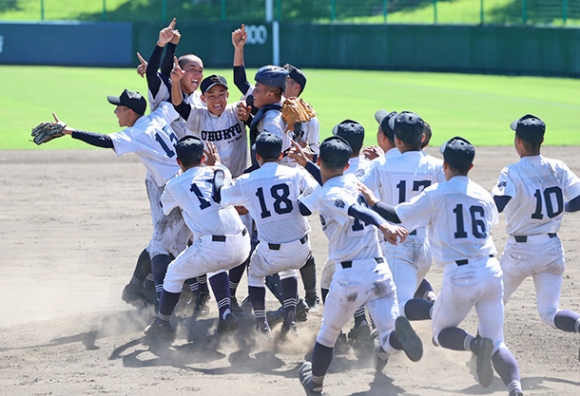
column 547, row 316
column 288, row 274
column 327, row 336
column 172, row 285
column 256, row 281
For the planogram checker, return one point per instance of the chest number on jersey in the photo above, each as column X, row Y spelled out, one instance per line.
column 170, row 153
column 281, row 204
column 477, row 223
column 203, row 203
column 556, row 192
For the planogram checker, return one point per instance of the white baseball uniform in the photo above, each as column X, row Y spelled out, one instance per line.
column 538, row 188
column 225, row 131
column 358, row 167
column 153, row 140
column 399, row 178
column 221, row 242
column 362, row 276
column 163, row 95
column 270, row 194
column 459, row 215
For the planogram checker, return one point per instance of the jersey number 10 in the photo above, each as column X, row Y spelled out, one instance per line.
column 556, row 192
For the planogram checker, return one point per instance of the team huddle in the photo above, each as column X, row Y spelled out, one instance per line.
column 232, row 189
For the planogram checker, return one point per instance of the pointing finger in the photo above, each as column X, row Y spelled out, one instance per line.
column 55, row 117
column 143, row 61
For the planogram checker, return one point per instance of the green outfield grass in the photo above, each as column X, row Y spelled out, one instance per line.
column 476, row 107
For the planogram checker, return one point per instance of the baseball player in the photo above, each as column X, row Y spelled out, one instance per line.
column 220, row 243
column 362, row 275
column 152, row 139
column 534, row 193
column 159, row 89
column 459, row 215
column 217, row 122
column 354, row 134
column 270, row 194
column 295, row 84
column 398, row 179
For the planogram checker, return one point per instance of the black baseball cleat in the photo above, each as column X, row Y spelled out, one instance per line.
column 301, row 311
column 276, row 316
column 235, row 306
column 132, row 295
column 410, row 341
column 263, row 329
column 483, row 349
column 202, row 304
column 380, row 358
column 312, row 301
column 228, row 325
column 360, row 334
column 305, row 376
column 159, row 331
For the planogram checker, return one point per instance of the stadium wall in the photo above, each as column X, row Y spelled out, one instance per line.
column 480, row 49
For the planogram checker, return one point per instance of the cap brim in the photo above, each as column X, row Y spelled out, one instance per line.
column 380, row 115
column 442, row 148
column 514, row 125
column 213, row 85
column 392, row 123
column 116, row 100
column 335, row 130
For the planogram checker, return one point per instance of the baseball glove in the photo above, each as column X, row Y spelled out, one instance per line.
column 296, row 110
column 46, row 131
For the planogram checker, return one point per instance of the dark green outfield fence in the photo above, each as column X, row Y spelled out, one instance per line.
column 470, row 49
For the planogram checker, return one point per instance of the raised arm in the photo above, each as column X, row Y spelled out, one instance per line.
column 176, row 93
column 239, row 38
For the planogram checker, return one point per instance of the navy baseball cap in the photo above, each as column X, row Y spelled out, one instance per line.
column 335, row 152
column 268, row 145
column 383, row 117
column 352, row 132
column 273, row 76
column 408, row 127
column 458, row 153
column 212, row 81
column 296, row 75
column 130, row 99
column 189, row 150
column 530, row 128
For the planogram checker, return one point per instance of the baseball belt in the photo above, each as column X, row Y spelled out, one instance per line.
column 348, row 264
column 222, row 238
column 524, row 238
column 276, row 246
column 465, row 261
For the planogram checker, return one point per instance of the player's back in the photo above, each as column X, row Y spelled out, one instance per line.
column 270, row 194
column 539, row 187
column 461, row 228
column 153, row 140
column 192, row 191
column 349, row 238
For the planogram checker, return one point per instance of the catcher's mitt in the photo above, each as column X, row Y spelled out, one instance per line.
column 296, row 110
column 46, row 131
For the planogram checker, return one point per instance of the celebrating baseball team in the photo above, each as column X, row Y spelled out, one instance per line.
column 232, row 187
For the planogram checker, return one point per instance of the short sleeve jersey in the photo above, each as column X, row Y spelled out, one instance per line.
column 226, row 132
column 191, row 191
column 270, row 194
column 348, row 238
column 153, row 140
column 538, row 188
column 458, row 215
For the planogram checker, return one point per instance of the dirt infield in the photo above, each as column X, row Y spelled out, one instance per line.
column 72, row 226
